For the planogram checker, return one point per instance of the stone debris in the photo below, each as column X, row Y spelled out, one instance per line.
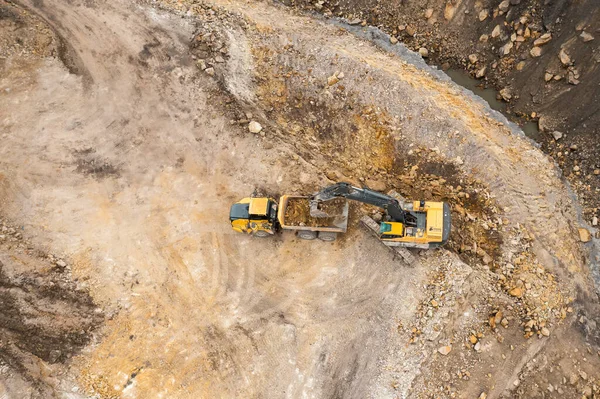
column 564, row 58
column 535, row 52
column 557, row 135
column 483, row 14
column 333, row 79
column 481, row 72
column 505, row 94
column 254, row 127
column 424, row 52
column 545, row 38
column 496, row 32
column 473, row 58
column 516, row 292
column 393, row 39
column 584, row 235
column 586, row 37
column 444, row 350
column 505, row 50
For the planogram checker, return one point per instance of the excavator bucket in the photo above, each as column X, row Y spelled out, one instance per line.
column 315, row 211
column 330, row 208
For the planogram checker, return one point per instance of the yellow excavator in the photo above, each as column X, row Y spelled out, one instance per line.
column 407, row 224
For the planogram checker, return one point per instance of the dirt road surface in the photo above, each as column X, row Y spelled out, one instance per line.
column 126, row 141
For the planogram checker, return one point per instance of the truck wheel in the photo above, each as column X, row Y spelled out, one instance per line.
column 261, row 234
column 327, row 236
column 307, row 234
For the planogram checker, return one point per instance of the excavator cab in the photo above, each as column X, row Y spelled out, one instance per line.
column 256, row 216
column 389, row 230
column 426, row 225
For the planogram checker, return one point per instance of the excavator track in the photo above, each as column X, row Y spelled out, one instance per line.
column 408, row 258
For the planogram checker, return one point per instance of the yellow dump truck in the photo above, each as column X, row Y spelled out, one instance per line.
column 263, row 217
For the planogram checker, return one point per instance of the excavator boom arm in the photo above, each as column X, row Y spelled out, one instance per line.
column 346, row 190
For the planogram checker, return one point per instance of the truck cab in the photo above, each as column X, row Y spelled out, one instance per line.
column 256, row 216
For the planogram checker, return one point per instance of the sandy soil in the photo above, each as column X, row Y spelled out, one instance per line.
column 124, row 154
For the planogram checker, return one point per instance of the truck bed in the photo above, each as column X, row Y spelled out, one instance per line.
column 294, row 214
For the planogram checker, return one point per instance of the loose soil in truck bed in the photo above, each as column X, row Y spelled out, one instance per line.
column 297, row 212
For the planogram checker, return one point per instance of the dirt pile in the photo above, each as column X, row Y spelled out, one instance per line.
column 297, row 212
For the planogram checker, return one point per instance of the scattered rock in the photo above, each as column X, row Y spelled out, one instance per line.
column 428, row 13
column 516, row 292
column 481, row 72
column 473, row 58
column 505, row 50
column 496, row 32
column 584, row 235
column 548, row 76
column 477, row 347
column 355, row 21
column 424, row 52
column 573, row 378
column 564, row 58
column 483, row 38
column 545, row 38
column 444, row 350
column 504, row 6
column 520, row 66
column 542, row 124
column 473, row 339
column 210, row 71
column 586, row 37
column 505, row 94
column 595, row 221
column 61, row 263
column 410, row 30
column 572, row 79
column 483, row 14
column 393, row 39
column 333, row 79
column 557, row 135
column 483, row 395
column 545, row 332
column 535, row 52
column 201, row 64
column 376, row 185
column 254, row 127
